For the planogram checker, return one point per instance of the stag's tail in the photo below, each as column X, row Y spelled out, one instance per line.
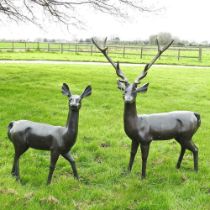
column 9, row 128
column 198, row 118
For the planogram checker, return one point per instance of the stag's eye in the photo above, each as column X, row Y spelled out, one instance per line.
column 133, row 88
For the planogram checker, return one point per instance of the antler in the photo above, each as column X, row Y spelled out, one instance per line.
column 115, row 65
column 147, row 67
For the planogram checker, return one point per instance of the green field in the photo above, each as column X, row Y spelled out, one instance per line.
column 102, row 149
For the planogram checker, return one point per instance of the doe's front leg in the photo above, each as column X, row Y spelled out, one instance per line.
column 70, row 159
column 53, row 159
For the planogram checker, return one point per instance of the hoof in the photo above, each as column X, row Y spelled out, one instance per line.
column 13, row 173
column 17, row 178
column 143, row 176
column 48, row 183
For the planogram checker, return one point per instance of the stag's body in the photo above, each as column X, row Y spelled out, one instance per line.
column 161, row 126
column 57, row 139
column 142, row 129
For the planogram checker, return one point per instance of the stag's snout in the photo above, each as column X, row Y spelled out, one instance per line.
column 129, row 99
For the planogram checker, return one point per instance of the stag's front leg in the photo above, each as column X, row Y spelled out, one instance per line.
column 15, row 168
column 134, row 148
column 144, row 155
column 70, row 159
column 53, row 159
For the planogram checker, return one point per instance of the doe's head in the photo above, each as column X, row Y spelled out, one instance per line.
column 75, row 100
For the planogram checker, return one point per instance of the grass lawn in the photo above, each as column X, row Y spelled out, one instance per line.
column 102, row 149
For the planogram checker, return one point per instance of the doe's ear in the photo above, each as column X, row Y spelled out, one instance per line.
column 87, row 91
column 120, row 85
column 143, row 88
column 65, row 90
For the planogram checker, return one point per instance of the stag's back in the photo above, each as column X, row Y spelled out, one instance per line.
column 169, row 125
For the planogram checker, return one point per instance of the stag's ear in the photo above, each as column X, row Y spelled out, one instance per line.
column 87, row 91
column 65, row 90
column 143, row 88
column 120, row 85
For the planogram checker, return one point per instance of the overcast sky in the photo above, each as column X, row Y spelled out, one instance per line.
column 186, row 19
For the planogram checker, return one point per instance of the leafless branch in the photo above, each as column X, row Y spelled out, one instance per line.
column 63, row 10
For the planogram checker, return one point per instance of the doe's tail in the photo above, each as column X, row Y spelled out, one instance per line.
column 198, row 118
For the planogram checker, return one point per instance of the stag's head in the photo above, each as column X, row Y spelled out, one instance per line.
column 130, row 90
column 75, row 100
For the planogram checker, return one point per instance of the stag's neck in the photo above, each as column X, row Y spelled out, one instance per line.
column 130, row 110
column 130, row 118
column 72, row 127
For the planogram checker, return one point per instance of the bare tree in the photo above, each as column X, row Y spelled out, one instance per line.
column 163, row 38
column 64, row 10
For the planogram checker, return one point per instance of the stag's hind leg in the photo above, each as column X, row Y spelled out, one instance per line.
column 182, row 152
column 192, row 147
column 134, row 148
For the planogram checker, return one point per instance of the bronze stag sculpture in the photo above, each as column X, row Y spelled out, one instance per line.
column 142, row 129
column 58, row 140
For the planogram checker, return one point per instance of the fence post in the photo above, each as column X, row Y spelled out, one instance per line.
column 61, row 47
column 75, row 48
column 48, row 47
column 123, row 51
column 200, row 54
column 37, row 48
column 178, row 54
column 141, row 55
column 13, row 46
column 25, row 46
column 91, row 49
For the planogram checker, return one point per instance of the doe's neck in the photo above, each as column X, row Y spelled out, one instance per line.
column 72, row 121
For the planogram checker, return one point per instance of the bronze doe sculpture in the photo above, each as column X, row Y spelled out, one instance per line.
column 142, row 129
column 58, row 140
